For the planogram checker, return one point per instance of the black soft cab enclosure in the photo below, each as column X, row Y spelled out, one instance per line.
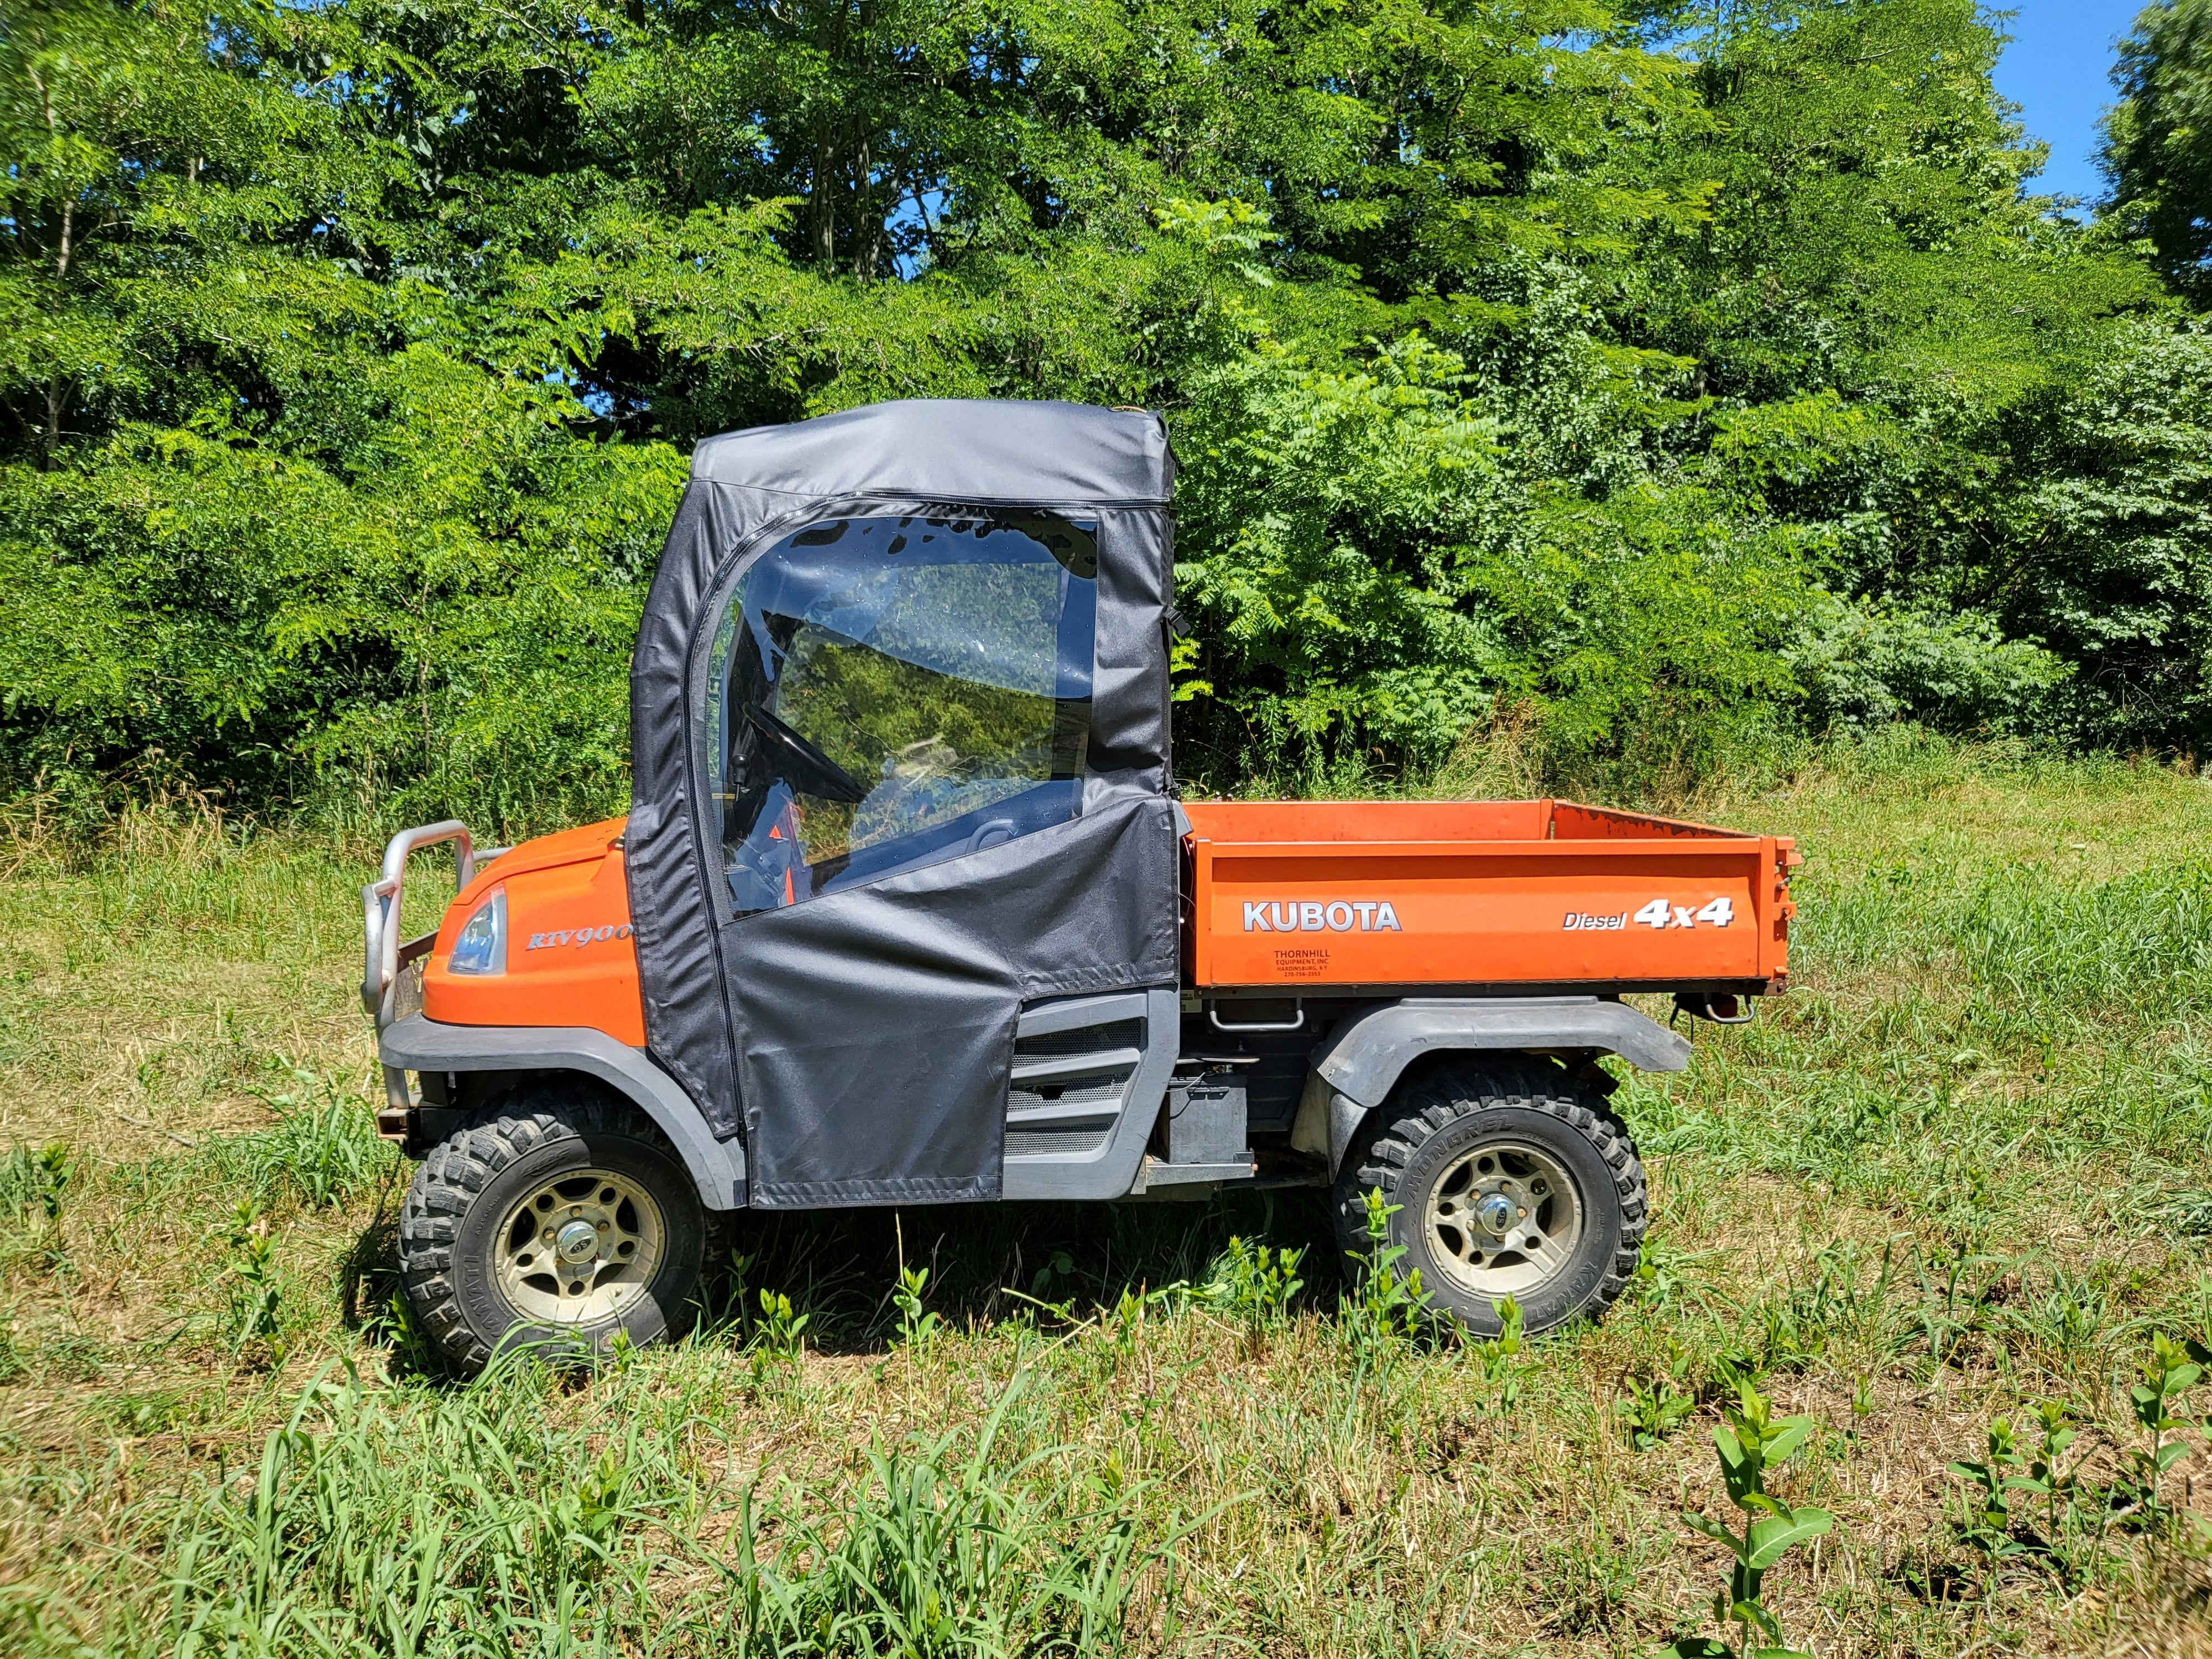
column 900, row 720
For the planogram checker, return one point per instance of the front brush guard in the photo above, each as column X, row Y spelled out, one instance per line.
column 385, row 957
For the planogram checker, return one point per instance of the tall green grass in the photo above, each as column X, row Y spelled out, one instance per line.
column 2021, row 939
column 1965, row 1166
column 417, row 1522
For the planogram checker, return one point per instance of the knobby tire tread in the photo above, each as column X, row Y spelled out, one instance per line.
column 1396, row 1131
column 459, row 1167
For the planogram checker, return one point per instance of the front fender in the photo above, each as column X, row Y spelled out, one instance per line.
column 417, row 1044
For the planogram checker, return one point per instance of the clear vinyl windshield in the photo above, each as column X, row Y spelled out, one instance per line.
column 885, row 692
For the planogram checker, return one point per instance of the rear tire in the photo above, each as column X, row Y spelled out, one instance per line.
column 1509, row 1180
column 557, row 1219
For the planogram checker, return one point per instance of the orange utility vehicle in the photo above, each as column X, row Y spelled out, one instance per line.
column 907, row 910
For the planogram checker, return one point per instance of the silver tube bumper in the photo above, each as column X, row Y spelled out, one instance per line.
column 384, row 957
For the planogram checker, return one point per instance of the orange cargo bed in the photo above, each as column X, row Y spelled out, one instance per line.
column 1472, row 896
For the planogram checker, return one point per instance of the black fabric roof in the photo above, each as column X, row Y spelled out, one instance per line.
column 952, row 449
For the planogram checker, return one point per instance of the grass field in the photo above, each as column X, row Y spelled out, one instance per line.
column 1964, row 1171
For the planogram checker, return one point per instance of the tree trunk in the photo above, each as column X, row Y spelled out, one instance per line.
column 869, row 234
column 56, row 405
column 822, row 210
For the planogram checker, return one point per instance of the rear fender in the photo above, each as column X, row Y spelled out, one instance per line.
column 417, row 1044
column 1359, row 1063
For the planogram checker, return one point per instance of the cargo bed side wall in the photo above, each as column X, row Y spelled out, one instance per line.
column 1611, row 912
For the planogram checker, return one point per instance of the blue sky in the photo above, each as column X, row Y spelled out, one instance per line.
column 2057, row 69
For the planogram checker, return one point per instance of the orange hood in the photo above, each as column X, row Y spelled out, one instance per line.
column 569, row 958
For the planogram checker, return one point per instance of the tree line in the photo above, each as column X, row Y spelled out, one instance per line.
column 1654, row 380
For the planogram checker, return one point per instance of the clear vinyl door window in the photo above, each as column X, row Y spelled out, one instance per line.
column 886, row 692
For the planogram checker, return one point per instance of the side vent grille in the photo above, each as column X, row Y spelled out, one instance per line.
column 1054, row 1143
column 1069, row 1088
column 1105, row 1091
column 1088, row 1039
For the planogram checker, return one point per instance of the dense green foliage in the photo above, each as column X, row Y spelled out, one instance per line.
column 2158, row 146
column 1647, row 380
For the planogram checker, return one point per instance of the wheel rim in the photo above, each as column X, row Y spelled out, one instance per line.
column 581, row 1247
column 1503, row 1219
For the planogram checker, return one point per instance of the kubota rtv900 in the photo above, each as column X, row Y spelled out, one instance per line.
column 906, row 910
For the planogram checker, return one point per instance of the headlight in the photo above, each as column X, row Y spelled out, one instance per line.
column 482, row 947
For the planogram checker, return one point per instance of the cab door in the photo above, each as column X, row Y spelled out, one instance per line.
column 910, row 840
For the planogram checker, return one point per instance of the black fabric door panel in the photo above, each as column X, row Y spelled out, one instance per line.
column 878, row 1024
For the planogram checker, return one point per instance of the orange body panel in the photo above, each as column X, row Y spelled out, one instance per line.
column 1480, row 893
column 569, row 958
column 1284, row 894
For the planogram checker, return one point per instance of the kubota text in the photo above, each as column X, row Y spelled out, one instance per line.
column 1322, row 915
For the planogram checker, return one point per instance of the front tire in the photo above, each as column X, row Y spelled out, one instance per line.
column 557, row 1219
column 1509, row 1180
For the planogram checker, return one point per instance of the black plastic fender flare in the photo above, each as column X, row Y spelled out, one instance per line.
column 425, row 1045
column 1356, row 1066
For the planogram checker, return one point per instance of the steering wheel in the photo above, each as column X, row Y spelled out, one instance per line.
column 990, row 834
column 803, row 767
